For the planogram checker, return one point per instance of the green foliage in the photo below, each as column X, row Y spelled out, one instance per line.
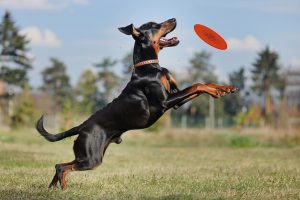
column 240, row 119
column 56, row 82
column 24, row 113
column 13, row 53
column 244, row 141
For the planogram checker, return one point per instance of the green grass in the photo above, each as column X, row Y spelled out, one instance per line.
column 185, row 165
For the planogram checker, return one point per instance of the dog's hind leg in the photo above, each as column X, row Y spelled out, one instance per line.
column 89, row 149
column 57, row 173
column 90, row 155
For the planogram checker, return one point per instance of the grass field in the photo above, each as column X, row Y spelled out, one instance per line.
column 182, row 165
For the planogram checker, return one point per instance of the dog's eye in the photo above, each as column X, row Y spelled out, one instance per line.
column 147, row 32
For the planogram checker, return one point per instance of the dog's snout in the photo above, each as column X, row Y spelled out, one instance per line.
column 169, row 21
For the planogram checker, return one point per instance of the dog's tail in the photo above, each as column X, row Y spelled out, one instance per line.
column 53, row 138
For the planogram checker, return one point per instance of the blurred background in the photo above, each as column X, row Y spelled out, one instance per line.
column 66, row 59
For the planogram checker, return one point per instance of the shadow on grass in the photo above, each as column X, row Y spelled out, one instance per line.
column 169, row 197
column 68, row 194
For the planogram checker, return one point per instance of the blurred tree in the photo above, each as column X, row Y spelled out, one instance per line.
column 233, row 104
column 14, row 61
column 86, row 91
column 127, row 64
column 107, row 78
column 265, row 76
column 56, row 82
column 201, row 69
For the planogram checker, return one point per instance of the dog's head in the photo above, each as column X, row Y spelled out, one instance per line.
column 152, row 35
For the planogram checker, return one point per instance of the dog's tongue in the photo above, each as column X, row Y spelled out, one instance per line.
column 163, row 39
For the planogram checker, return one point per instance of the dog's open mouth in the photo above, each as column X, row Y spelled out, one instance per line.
column 168, row 42
column 165, row 42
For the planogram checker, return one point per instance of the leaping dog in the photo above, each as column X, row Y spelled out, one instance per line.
column 151, row 91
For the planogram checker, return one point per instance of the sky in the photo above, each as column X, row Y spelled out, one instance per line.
column 83, row 32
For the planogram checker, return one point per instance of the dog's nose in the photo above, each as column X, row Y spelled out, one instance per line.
column 172, row 20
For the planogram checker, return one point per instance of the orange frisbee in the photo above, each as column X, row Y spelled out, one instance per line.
column 210, row 37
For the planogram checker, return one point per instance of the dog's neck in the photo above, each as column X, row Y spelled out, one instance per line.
column 141, row 54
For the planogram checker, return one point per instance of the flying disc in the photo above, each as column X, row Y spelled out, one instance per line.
column 210, row 37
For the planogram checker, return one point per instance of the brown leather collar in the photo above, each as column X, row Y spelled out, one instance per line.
column 146, row 62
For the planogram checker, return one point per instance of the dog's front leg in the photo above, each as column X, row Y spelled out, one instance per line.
column 181, row 95
column 178, row 99
column 186, row 100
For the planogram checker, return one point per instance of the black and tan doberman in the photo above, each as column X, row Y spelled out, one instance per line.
column 151, row 91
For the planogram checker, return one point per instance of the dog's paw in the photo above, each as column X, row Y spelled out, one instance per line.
column 223, row 90
column 53, row 186
column 228, row 88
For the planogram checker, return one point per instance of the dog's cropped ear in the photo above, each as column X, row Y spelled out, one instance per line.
column 130, row 30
